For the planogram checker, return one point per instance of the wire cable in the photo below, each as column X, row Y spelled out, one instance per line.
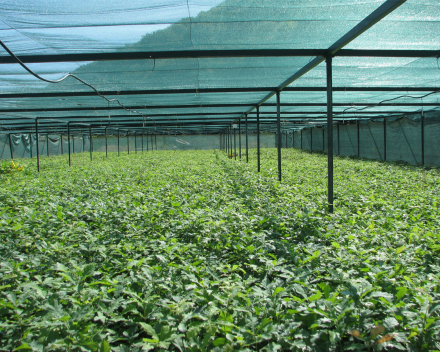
column 387, row 100
column 75, row 77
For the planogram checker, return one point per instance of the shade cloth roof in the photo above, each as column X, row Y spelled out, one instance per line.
column 182, row 66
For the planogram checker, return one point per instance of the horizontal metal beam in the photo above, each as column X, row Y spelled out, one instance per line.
column 155, row 107
column 388, row 53
column 193, row 54
column 157, row 55
column 214, row 90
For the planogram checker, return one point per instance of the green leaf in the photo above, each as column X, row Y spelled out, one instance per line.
column 23, row 346
column 105, row 347
column 219, row 341
column 149, row 330
column 400, row 249
column 401, row 293
column 336, row 245
column 413, row 333
column 278, row 290
column 315, row 297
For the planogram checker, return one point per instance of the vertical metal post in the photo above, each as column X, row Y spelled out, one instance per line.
column 258, row 139
column 90, row 142
column 68, row 141
column 293, row 138
column 226, row 141
column 329, row 132
column 142, row 141
column 73, row 144
column 147, row 141
column 235, row 146
column 422, row 125
column 358, row 134
column 128, row 141
column 155, row 140
column 10, row 146
column 339, row 150
column 47, row 144
column 118, row 142
column 229, row 141
column 279, row 134
column 38, row 145
column 135, row 142
column 106, row 145
column 30, row 141
column 247, row 140
column 239, row 137
column 301, row 145
column 384, row 139
column 286, row 140
column 61, row 143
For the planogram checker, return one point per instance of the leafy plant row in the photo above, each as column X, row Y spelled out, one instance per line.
column 193, row 251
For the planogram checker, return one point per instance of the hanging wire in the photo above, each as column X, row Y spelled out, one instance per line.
column 73, row 76
column 384, row 101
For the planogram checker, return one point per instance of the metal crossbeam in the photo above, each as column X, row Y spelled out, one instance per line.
column 213, row 90
column 200, row 54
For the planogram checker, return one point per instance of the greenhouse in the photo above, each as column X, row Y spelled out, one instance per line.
column 220, row 175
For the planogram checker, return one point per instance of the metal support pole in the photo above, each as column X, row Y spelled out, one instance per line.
column 329, row 132
column 118, row 142
column 279, row 134
column 38, row 145
column 10, row 146
column 128, row 142
column 230, row 140
column 258, row 139
column 227, row 141
column 239, row 138
column 142, row 141
column 301, row 145
column 339, row 150
column 358, row 134
column 90, row 142
column 68, row 141
column 73, row 144
column 155, row 140
column 106, row 145
column 422, row 125
column 384, row 139
column 135, row 142
column 30, row 141
column 61, row 142
column 235, row 146
column 286, row 140
column 47, row 144
column 293, row 138
column 247, row 140
column 147, row 141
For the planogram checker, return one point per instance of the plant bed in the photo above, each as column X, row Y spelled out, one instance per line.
column 193, row 251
